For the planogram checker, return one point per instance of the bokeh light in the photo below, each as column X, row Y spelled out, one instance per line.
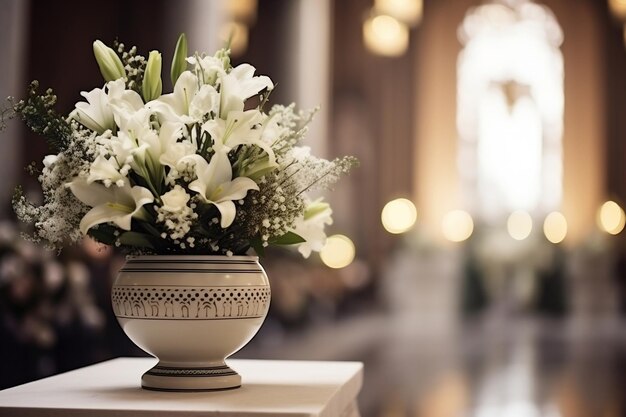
column 338, row 252
column 618, row 8
column 407, row 11
column 457, row 225
column 611, row 218
column 519, row 225
column 237, row 34
column 398, row 216
column 555, row 227
column 242, row 10
column 384, row 35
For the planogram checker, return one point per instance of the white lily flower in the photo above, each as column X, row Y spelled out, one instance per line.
column 215, row 185
column 239, row 128
column 176, row 152
column 163, row 149
column 239, row 85
column 125, row 105
column 206, row 100
column 187, row 104
column 124, row 149
column 160, row 143
column 97, row 113
column 135, row 123
column 310, row 227
column 105, row 169
column 114, row 204
column 208, row 66
column 135, row 138
column 271, row 130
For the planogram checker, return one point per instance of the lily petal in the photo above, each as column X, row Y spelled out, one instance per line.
column 220, row 169
column 176, row 153
column 201, row 184
column 105, row 213
column 104, row 169
column 236, row 189
column 228, row 211
column 84, row 115
column 93, row 194
column 175, row 106
column 113, row 204
column 210, row 175
column 205, row 101
column 251, row 85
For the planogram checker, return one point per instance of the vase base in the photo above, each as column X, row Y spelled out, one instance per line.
column 174, row 378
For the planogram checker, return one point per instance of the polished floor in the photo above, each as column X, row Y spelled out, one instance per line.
column 519, row 366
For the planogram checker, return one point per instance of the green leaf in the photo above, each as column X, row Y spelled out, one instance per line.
column 151, row 229
column 102, row 235
column 289, row 238
column 257, row 244
column 136, row 239
column 179, row 62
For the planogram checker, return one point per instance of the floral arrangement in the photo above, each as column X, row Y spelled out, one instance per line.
column 205, row 169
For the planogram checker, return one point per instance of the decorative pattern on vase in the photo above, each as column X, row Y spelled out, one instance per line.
column 213, row 371
column 190, row 303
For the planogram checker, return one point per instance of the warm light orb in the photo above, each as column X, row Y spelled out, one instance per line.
column 618, row 8
column 519, row 225
column 242, row 10
column 384, row 35
column 457, row 225
column 398, row 215
column 408, row 11
column 611, row 218
column 338, row 252
column 555, row 227
column 237, row 34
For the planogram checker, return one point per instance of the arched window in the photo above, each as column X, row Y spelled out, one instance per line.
column 510, row 109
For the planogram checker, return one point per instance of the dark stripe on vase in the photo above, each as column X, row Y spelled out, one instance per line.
column 192, row 367
column 191, row 261
column 188, row 319
column 191, row 375
column 189, row 390
column 154, row 287
column 181, row 270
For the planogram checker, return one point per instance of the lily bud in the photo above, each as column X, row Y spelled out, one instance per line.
column 152, row 86
column 179, row 63
column 110, row 64
column 315, row 208
column 224, row 56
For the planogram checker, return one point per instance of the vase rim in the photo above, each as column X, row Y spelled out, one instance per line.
column 195, row 257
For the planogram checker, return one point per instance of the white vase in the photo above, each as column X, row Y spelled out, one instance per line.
column 191, row 312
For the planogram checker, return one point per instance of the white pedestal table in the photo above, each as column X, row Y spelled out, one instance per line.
column 270, row 388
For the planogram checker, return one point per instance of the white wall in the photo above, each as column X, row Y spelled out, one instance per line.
column 13, row 25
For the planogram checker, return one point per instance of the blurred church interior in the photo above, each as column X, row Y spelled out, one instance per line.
column 476, row 263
